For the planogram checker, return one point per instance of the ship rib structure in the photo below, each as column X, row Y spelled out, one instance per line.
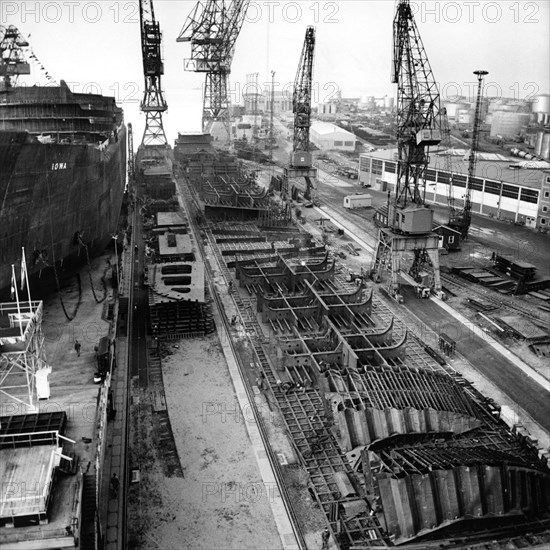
column 399, row 448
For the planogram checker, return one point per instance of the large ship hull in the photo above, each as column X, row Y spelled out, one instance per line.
column 56, row 201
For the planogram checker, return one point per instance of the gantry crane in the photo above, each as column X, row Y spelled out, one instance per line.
column 462, row 219
column 407, row 221
column 12, row 58
column 212, row 28
column 153, row 104
column 301, row 162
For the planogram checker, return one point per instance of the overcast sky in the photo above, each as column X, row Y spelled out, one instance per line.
column 96, row 47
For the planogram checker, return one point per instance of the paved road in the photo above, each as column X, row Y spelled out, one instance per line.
column 521, row 389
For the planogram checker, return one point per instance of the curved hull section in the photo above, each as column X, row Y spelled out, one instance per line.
column 56, row 196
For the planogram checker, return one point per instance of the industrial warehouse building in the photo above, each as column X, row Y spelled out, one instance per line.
column 327, row 136
column 515, row 194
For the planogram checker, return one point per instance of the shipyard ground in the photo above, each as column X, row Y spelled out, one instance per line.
column 220, row 495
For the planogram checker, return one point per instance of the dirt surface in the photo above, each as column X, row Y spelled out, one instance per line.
column 221, row 502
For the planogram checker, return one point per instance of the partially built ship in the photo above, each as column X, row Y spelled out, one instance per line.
column 63, row 170
column 399, row 449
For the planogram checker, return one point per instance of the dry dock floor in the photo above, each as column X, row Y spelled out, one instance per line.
column 221, row 501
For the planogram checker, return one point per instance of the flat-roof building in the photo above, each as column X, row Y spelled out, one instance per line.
column 499, row 190
column 329, row 136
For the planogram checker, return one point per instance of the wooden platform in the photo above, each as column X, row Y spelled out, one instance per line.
column 26, row 475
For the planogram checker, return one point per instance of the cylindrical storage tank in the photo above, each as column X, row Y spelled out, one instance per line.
column 388, row 102
column 541, row 104
column 508, row 124
column 453, row 107
column 542, row 146
column 464, row 116
column 496, row 105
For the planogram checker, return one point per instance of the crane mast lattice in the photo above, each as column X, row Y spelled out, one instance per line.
column 461, row 220
column 212, row 28
column 418, row 122
column 153, row 103
column 408, row 223
column 12, row 59
column 301, row 162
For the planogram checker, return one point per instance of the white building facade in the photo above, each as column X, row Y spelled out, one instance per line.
column 521, row 196
column 329, row 136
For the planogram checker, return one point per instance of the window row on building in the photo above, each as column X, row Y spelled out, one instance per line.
column 378, row 167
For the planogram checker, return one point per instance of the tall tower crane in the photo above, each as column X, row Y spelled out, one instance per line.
column 301, row 162
column 418, row 122
column 153, row 103
column 462, row 219
column 212, row 28
column 407, row 222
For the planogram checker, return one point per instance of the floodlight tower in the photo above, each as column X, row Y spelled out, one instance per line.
column 461, row 220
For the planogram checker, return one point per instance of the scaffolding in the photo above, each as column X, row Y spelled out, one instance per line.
column 22, row 355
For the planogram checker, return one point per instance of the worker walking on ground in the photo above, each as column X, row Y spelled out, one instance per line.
column 77, row 347
column 324, row 537
column 115, row 484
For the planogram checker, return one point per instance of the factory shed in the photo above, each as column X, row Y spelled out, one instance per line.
column 328, row 136
column 449, row 238
column 358, row 201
